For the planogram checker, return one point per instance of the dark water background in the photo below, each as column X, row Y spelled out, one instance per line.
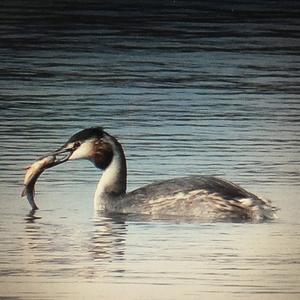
column 188, row 87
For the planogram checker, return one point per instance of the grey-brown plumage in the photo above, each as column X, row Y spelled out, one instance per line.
column 203, row 197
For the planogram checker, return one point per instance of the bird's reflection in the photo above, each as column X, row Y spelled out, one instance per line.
column 53, row 247
column 108, row 237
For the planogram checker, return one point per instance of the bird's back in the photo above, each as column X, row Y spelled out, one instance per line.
column 203, row 197
column 210, row 184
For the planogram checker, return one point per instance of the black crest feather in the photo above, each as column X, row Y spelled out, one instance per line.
column 88, row 133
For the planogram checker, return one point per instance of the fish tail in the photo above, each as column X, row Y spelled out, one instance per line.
column 30, row 198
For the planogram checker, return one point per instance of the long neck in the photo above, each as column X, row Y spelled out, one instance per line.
column 112, row 184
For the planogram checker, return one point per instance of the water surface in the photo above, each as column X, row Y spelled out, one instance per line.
column 188, row 88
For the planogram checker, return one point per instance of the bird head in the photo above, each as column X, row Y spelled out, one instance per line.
column 93, row 144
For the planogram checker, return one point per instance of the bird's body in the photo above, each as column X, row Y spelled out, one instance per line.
column 205, row 198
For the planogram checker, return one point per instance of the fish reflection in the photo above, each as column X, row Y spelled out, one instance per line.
column 58, row 250
column 31, row 216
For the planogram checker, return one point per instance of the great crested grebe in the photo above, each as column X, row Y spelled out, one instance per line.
column 203, row 197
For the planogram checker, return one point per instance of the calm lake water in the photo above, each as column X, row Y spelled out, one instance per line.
column 188, row 87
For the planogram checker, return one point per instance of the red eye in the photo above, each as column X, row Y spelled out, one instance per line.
column 76, row 145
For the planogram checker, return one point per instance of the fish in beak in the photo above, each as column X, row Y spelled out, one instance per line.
column 39, row 166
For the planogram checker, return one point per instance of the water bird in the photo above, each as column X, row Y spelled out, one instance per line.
column 202, row 197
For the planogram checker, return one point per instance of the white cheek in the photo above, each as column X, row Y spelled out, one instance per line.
column 82, row 152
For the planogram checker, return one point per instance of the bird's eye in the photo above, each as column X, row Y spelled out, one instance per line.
column 76, row 145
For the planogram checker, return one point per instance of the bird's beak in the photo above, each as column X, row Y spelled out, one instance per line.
column 61, row 155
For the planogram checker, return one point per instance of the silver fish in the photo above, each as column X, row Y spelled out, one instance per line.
column 32, row 175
